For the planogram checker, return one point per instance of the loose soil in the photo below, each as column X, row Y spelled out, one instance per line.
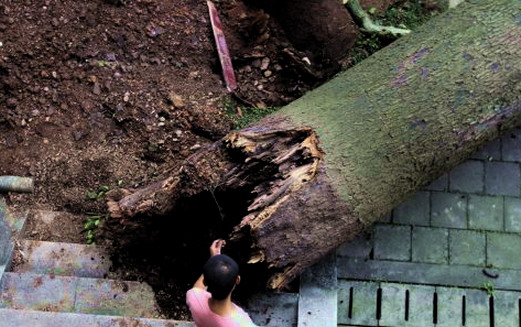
column 105, row 94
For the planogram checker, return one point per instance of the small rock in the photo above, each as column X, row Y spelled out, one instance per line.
column 176, row 100
column 126, row 96
column 195, row 146
column 161, row 124
column 267, row 73
column 78, row 135
column 260, row 87
column 96, row 89
column 178, row 133
column 265, row 63
column 162, row 118
column 110, row 57
column 247, row 69
column 11, row 102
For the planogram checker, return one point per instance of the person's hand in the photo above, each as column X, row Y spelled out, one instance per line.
column 216, row 247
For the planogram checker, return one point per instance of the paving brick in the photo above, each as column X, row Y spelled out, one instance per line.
column 393, row 304
column 392, row 242
column 503, row 250
column 449, row 210
column 502, row 178
column 425, row 273
column 467, row 247
column 511, row 150
column 477, row 308
column 450, row 307
column 485, row 212
column 467, row 177
column 441, row 184
column 318, row 295
column 513, row 214
column 490, row 152
column 420, row 306
column 357, row 303
column 430, row 245
column 415, row 211
column 506, row 309
column 360, row 247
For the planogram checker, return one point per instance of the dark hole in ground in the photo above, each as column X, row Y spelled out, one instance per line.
column 168, row 252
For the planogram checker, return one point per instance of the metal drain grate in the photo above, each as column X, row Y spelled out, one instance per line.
column 401, row 305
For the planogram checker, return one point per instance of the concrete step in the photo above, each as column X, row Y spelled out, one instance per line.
column 13, row 219
column 63, row 259
column 76, row 294
column 24, row 318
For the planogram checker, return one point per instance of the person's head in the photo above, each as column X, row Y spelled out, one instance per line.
column 221, row 274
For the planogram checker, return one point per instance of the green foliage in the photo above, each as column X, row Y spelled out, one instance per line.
column 99, row 194
column 242, row 116
column 90, row 227
column 489, row 288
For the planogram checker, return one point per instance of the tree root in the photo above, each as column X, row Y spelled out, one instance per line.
column 367, row 23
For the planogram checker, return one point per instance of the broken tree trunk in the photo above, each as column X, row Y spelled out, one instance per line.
column 330, row 164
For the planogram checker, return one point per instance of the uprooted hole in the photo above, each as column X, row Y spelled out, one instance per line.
column 168, row 252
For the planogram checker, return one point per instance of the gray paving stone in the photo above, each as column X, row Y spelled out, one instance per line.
column 477, row 308
column 430, row 245
column 467, row 247
column 503, row 250
column 420, row 306
column 392, row 242
column 318, row 296
column 485, row 212
column 467, row 177
column 512, row 214
column 506, row 309
column 393, row 304
column 360, row 247
column 441, row 184
column 449, row 210
column 415, row 211
column 19, row 318
column 511, row 150
column 426, row 273
column 361, row 298
column 450, row 306
column 273, row 309
column 490, row 152
column 502, row 178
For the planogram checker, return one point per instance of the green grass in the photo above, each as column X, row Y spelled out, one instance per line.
column 247, row 114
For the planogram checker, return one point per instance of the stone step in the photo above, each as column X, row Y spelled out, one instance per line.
column 25, row 318
column 77, row 294
column 13, row 219
column 63, row 259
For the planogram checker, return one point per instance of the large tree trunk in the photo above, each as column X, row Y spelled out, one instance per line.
column 328, row 165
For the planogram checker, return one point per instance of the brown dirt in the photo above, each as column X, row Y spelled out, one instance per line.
column 116, row 93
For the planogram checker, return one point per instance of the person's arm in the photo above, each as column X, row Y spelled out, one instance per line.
column 215, row 249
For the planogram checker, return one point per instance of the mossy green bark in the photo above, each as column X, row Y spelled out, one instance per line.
column 417, row 108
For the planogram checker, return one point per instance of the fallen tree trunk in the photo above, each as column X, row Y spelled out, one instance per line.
column 325, row 167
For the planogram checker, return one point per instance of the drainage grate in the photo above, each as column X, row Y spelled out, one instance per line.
column 390, row 304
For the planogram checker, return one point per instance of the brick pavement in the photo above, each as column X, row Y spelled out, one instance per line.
column 432, row 263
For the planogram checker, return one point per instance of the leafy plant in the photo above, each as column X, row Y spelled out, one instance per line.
column 489, row 288
column 90, row 227
column 99, row 194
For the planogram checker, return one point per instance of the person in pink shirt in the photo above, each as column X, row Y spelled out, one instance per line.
column 210, row 299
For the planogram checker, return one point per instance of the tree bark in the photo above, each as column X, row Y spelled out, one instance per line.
column 331, row 163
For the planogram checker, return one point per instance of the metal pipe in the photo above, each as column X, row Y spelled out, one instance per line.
column 16, row 184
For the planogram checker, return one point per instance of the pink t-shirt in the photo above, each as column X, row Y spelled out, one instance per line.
column 197, row 301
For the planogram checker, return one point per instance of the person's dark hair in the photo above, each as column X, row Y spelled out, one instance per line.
column 220, row 274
